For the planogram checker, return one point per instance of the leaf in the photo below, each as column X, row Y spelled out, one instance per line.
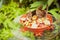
column 54, row 13
column 50, row 2
column 1, row 2
column 36, row 4
column 44, row 6
column 20, row 1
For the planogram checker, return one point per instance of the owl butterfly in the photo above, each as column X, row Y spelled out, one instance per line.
column 41, row 13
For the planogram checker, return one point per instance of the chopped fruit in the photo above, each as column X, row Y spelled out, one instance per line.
column 23, row 17
column 43, row 19
column 28, row 20
column 26, row 23
column 34, row 17
column 46, row 22
column 39, row 20
column 34, row 25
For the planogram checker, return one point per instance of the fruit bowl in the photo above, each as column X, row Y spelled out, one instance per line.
column 37, row 25
column 40, row 23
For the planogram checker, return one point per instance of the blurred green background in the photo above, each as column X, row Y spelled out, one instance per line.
column 10, row 9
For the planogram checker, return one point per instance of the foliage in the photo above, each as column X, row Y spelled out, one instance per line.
column 28, row 35
column 7, row 15
column 9, row 12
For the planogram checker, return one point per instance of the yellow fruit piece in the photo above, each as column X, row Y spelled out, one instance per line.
column 34, row 17
column 39, row 20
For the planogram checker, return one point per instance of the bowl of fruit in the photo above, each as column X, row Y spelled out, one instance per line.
column 39, row 22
